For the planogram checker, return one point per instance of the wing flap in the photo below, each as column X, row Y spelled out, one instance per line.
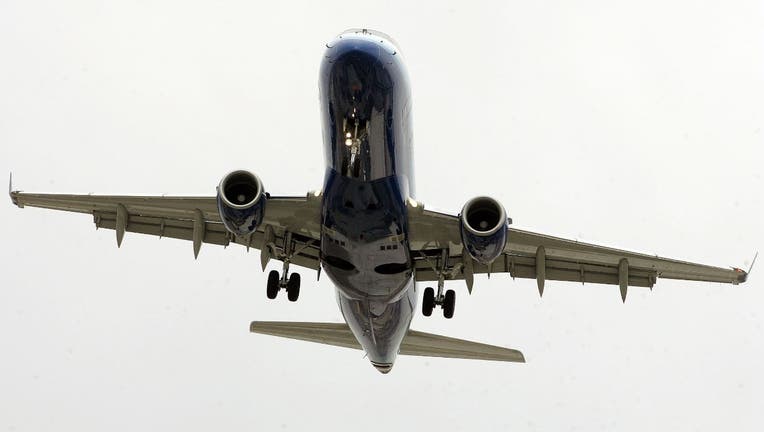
column 214, row 233
column 415, row 343
column 525, row 268
column 183, row 229
column 526, row 243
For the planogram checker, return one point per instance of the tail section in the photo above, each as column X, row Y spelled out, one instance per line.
column 415, row 343
column 431, row 345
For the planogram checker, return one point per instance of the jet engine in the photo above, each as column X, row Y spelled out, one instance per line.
column 241, row 202
column 484, row 227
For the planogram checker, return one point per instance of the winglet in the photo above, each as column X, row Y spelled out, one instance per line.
column 753, row 262
column 742, row 274
column 745, row 275
column 11, row 193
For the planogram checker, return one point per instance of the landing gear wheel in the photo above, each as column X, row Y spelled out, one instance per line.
column 293, row 287
column 449, row 303
column 428, row 301
column 272, row 289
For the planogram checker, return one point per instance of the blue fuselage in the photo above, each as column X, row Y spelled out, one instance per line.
column 366, row 115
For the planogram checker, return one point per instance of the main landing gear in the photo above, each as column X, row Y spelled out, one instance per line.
column 290, row 283
column 447, row 302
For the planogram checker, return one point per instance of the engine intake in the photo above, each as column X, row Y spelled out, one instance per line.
column 241, row 202
column 484, row 228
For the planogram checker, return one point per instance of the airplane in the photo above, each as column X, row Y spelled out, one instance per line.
column 366, row 230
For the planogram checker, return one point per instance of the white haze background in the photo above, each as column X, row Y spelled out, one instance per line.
column 633, row 124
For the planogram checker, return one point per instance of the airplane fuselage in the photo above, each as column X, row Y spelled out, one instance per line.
column 366, row 116
column 369, row 234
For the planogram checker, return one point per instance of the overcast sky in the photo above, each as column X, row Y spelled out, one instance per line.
column 632, row 124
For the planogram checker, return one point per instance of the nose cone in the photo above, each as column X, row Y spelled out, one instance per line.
column 364, row 57
column 383, row 367
column 372, row 37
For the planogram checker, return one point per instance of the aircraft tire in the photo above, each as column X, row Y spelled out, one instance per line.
column 449, row 304
column 428, row 301
column 272, row 289
column 293, row 287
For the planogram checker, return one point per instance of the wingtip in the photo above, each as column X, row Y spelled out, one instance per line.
column 11, row 193
column 750, row 268
column 742, row 275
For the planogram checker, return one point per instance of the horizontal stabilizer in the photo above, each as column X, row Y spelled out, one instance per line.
column 419, row 343
column 415, row 343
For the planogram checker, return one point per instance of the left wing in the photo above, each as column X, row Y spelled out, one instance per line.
column 542, row 257
column 287, row 219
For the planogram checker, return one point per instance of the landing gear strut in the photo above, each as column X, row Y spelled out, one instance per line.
column 447, row 302
column 290, row 283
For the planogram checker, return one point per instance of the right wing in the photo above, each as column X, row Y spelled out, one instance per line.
column 543, row 257
column 196, row 219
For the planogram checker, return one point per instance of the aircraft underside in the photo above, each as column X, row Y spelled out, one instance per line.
column 365, row 228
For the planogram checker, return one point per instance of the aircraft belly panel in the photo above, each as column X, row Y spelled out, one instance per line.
column 365, row 107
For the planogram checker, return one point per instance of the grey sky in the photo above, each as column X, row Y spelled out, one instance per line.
column 633, row 124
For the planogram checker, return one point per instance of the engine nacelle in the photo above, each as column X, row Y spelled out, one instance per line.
column 241, row 202
column 484, row 228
